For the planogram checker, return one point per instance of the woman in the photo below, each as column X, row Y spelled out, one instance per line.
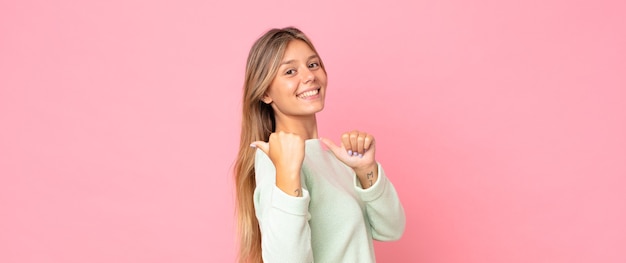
column 297, row 202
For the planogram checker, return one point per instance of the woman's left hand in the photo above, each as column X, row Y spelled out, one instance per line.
column 357, row 150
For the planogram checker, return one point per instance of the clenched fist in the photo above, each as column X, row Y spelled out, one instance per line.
column 286, row 150
column 357, row 150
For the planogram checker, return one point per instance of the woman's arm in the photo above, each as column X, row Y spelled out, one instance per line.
column 281, row 204
column 383, row 207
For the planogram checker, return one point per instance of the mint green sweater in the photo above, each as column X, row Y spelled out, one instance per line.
column 335, row 220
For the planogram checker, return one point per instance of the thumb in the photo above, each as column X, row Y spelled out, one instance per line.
column 336, row 150
column 264, row 146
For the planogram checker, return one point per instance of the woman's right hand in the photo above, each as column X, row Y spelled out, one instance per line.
column 286, row 150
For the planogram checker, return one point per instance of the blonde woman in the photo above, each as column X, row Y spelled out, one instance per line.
column 296, row 201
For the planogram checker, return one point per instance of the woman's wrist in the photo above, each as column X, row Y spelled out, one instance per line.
column 366, row 169
column 367, row 175
column 288, row 180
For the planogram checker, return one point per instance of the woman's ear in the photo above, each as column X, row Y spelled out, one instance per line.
column 267, row 99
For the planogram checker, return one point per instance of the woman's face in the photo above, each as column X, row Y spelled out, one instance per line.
column 300, row 84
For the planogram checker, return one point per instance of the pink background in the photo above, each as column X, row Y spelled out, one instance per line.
column 502, row 125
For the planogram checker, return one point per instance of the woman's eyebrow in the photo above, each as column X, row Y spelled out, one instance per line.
column 287, row 62
column 293, row 60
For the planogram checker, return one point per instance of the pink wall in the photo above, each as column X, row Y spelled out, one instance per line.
column 502, row 125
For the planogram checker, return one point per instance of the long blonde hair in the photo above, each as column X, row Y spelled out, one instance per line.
column 257, row 123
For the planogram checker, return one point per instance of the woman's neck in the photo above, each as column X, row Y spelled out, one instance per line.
column 305, row 127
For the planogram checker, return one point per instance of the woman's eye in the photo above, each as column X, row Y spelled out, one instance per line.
column 314, row 65
column 290, row 72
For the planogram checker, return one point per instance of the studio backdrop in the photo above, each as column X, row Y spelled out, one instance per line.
column 502, row 124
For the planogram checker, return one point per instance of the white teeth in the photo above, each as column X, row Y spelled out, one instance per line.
column 308, row 93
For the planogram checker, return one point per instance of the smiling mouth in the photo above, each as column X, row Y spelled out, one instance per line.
column 309, row 93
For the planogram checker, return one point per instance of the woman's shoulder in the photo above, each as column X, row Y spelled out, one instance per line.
column 313, row 147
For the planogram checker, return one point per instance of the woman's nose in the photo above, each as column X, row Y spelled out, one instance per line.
column 308, row 76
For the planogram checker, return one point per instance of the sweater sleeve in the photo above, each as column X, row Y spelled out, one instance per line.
column 383, row 208
column 283, row 219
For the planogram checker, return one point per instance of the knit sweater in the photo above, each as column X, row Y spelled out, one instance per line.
column 334, row 220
